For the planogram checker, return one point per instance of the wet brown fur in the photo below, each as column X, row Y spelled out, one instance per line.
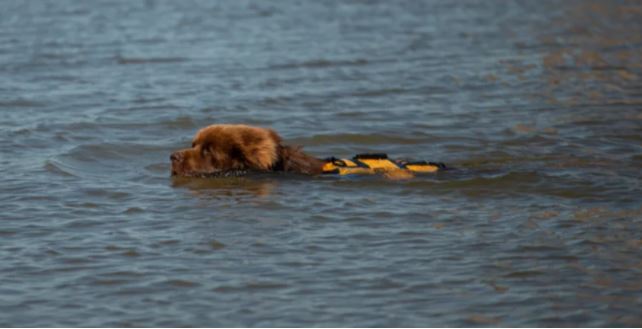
column 234, row 147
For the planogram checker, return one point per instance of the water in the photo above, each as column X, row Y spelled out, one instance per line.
column 537, row 104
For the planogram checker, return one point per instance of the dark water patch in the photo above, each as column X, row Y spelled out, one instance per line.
column 133, row 290
column 7, row 233
column 149, row 60
column 179, row 283
column 523, row 274
column 83, row 224
column 75, row 260
column 482, row 320
column 117, row 195
column 537, row 248
column 635, row 138
column 320, row 64
column 20, row 103
column 123, row 274
column 131, row 253
column 216, row 245
column 147, row 100
column 133, row 210
column 111, row 282
column 167, row 242
column 380, row 92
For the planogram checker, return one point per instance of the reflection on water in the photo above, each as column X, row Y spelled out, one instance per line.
column 590, row 60
column 536, row 103
column 226, row 186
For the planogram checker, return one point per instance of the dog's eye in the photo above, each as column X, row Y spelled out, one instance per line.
column 193, row 144
column 204, row 149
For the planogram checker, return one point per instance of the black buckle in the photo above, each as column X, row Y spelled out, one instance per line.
column 371, row 156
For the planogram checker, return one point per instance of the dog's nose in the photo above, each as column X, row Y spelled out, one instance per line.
column 175, row 157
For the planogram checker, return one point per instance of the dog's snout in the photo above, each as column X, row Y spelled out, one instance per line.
column 175, row 157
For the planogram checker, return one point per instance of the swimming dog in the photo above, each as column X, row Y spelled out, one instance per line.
column 234, row 149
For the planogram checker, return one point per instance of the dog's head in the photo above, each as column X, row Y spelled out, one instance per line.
column 218, row 149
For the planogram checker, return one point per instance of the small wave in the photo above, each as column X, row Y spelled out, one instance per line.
column 484, row 182
column 158, row 168
column 499, row 159
column 116, row 151
column 362, row 139
column 380, row 92
column 55, row 167
column 320, row 63
column 179, row 122
column 523, row 274
column 106, row 159
column 179, row 283
column 250, row 286
column 150, row 60
column 20, row 103
column 111, row 282
column 112, row 120
column 479, row 184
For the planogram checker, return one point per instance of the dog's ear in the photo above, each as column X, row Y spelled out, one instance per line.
column 256, row 148
column 201, row 137
column 206, row 147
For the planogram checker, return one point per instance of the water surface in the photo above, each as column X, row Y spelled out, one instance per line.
column 537, row 103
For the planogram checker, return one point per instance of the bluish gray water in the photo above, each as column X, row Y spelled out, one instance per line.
column 538, row 104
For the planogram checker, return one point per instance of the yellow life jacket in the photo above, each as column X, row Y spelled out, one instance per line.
column 377, row 164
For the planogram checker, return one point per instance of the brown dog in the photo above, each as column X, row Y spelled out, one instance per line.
column 231, row 148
